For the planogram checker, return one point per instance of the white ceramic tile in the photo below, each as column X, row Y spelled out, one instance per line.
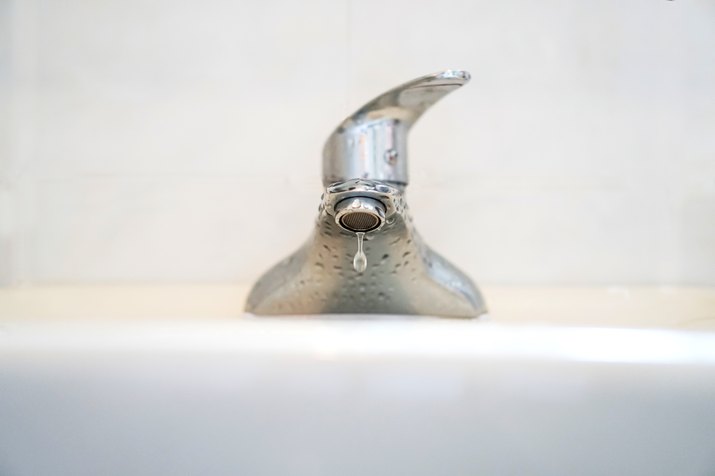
column 163, row 229
column 7, row 236
column 549, row 232
column 143, row 136
column 5, row 85
column 221, row 87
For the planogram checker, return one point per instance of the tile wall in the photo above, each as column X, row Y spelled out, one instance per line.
column 162, row 141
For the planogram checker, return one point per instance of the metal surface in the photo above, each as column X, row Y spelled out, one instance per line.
column 403, row 275
column 372, row 142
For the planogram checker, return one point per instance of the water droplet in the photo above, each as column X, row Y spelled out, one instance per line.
column 360, row 260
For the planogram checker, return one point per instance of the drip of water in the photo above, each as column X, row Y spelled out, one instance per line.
column 360, row 260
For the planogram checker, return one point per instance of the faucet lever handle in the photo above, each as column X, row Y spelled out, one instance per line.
column 372, row 142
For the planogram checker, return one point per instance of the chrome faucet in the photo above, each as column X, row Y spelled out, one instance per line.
column 365, row 255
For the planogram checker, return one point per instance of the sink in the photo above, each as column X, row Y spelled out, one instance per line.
column 299, row 396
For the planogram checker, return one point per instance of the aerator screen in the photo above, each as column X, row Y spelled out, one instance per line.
column 360, row 221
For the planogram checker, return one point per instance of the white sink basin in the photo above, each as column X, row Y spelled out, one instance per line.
column 431, row 397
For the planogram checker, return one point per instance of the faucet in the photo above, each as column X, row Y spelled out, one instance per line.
column 364, row 255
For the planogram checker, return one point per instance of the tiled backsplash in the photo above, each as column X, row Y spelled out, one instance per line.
column 181, row 141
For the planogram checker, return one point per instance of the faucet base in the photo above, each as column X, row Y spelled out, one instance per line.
column 403, row 276
column 298, row 287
